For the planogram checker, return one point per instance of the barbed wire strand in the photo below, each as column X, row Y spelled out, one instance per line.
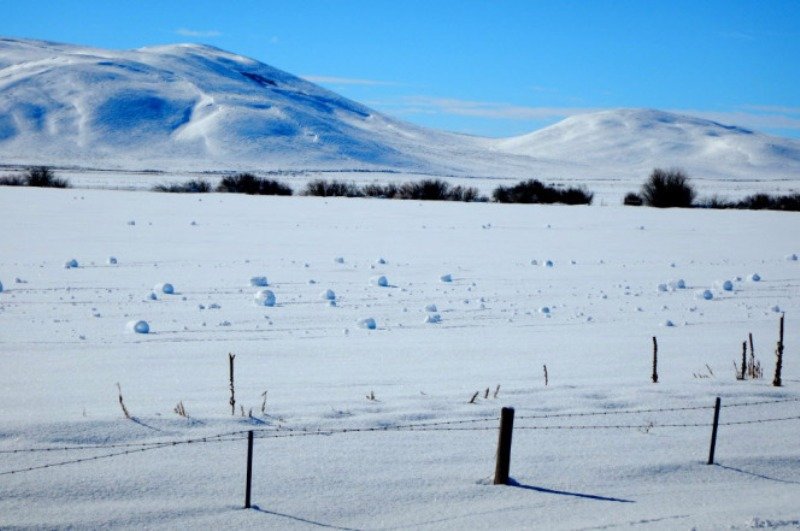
column 286, row 431
column 652, row 410
column 156, row 446
column 235, row 436
column 118, row 445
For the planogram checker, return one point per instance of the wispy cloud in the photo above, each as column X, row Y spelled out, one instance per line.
column 333, row 80
column 757, row 117
column 777, row 109
column 185, row 32
column 482, row 109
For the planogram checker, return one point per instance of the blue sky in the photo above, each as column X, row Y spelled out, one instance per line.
column 495, row 68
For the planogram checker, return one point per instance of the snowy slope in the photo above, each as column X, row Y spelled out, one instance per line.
column 197, row 108
column 641, row 139
column 64, row 346
column 185, row 107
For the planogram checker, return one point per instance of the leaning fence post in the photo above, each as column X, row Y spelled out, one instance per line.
column 714, row 432
column 503, row 465
column 249, row 469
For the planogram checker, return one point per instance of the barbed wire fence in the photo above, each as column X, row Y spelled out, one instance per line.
column 527, row 422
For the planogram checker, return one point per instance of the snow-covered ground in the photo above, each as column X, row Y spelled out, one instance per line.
column 504, row 314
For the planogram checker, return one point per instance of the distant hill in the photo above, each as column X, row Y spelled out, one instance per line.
column 630, row 139
column 195, row 108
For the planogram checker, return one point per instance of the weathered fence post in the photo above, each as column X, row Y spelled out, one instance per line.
column 230, row 376
column 714, row 432
column 503, row 465
column 655, row 360
column 249, row 479
column 744, row 360
column 779, row 357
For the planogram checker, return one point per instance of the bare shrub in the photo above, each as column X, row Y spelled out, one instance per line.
column 533, row 191
column 668, row 188
column 323, row 188
column 247, row 183
column 191, row 187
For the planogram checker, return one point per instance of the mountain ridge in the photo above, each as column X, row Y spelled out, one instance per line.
column 197, row 107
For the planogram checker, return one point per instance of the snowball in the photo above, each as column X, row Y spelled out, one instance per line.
column 368, row 323
column 380, row 261
column 678, row 284
column 138, row 327
column 548, row 263
column 152, row 296
column 446, row 278
column 379, row 281
column 259, row 282
column 431, row 308
column 69, row 264
column 112, row 260
column 792, row 257
column 433, row 318
column 328, row 295
column 339, row 260
column 705, row 294
column 755, row 277
column 668, row 323
column 662, row 287
column 727, row 285
column 165, row 287
column 534, row 262
column 264, row 297
column 776, row 309
column 544, row 310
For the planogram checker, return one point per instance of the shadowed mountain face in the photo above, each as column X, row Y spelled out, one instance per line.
column 183, row 103
column 194, row 107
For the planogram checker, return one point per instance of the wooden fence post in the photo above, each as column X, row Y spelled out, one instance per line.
column 503, row 464
column 714, row 432
column 230, row 376
column 779, row 357
column 744, row 360
column 655, row 360
column 249, row 479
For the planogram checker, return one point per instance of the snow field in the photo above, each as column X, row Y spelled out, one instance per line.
column 596, row 344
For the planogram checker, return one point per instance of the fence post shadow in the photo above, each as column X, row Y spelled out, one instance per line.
column 299, row 519
column 514, row 483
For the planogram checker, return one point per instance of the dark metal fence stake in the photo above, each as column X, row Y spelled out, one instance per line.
column 503, row 465
column 714, row 432
column 249, row 469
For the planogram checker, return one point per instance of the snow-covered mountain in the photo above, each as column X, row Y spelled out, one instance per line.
column 634, row 138
column 195, row 107
column 185, row 106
